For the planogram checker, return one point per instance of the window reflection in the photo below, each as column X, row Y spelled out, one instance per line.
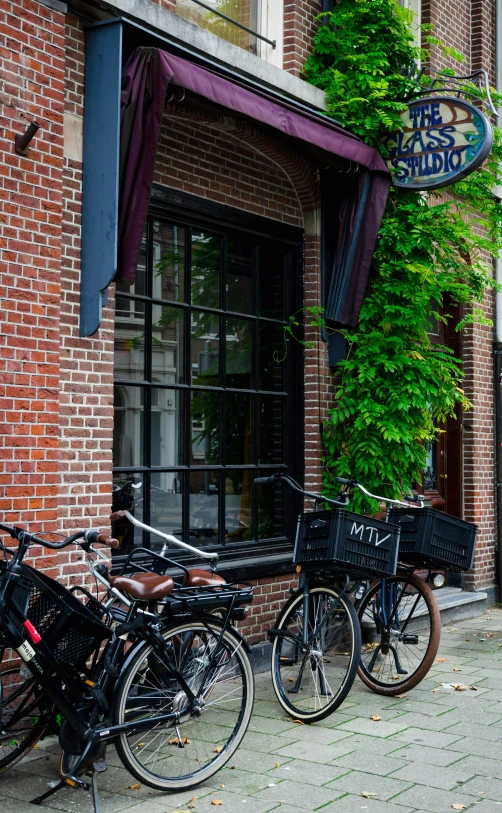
column 168, row 342
column 166, row 427
column 205, row 417
column 238, row 508
column 271, row 356
column 206, row 269
column 238, row 423
column 239, row 337
column 275, row 263
column 128, row 424
column 204, row 491
column 166, row 508
column 127, row 495
column 242, row 11
column 270, row 430
column 270, row 511
column 205, row 355
column 129, row 340
column 239, row 287
column 168, row 261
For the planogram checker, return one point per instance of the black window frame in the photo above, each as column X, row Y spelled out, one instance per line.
column 191, row 212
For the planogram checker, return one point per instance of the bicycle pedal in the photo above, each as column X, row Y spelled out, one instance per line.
column 410, row 639
column 76, row 782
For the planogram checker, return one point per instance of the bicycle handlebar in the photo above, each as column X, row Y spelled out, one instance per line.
column 211, row 557
column 90, row 537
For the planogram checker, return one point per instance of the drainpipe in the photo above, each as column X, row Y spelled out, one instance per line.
column 498, row 341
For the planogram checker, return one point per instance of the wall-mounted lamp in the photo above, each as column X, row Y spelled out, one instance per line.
column 21, row 142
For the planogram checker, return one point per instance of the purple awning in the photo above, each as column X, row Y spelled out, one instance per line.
column 145, row 80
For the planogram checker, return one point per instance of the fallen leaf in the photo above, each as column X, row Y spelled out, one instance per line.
column 468, row 639
column 368, row 795
column 488, row 634
column 218, row 749
column 441, row 660
column 299, row 722
column 175, row 741
column 460, row 687
column 141, row 744
column 375, row 718
column 277, row 764
column 272, row 785
column 474, row 688
column 222, row 786
column 395, row 677
column 133, row 787
column 459, row 807
column 36, row 746
column 457, row 669
column 179, row 811
column 216, row 802
column 232, row 767
column 401, row 696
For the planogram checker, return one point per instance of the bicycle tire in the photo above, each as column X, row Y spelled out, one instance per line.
column 206, row 756
column 293, row 670
column 386, row 681
column 14, row 686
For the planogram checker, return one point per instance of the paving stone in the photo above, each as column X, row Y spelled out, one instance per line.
column 313, row 752
column 483, row 732
column 297, row 793
column 238, row 781
column 483, row 766
column 312, row 773
column 254, row 761
column 255, row 741
column 428, row 756
column 232, row 803
column 361, row 725
column 414, row 720
column 270, row 725
column 432, row 739
column 433, row 799
column 313, row 733
column 358, row 804
column 371, row 762
column 474, row 747
column 429, row 709
column 358, row 781
column 486, row 787
column 434, row 776
column 373, row 744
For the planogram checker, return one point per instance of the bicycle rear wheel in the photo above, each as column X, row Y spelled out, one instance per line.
column 398, row 655
column 24, row 713
column 179, row 757
column 312, row 681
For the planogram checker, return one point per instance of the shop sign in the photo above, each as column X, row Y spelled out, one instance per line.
column 443, row 140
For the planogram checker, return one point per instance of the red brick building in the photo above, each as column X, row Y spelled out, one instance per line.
column 138, row 413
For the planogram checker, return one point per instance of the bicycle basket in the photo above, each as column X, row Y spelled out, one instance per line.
column 341, row 540
column 434, row 539
column 72, row 630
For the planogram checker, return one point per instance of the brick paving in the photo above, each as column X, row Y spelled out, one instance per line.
column 434, row 749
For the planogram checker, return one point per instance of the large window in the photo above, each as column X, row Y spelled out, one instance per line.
column 203, row 382
column 264, row 17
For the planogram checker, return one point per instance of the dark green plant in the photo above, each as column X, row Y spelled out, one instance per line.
column 396, row 388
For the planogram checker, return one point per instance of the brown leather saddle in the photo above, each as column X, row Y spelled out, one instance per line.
column 152, row 587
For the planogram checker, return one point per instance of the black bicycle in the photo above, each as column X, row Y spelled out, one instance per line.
column 173, row 691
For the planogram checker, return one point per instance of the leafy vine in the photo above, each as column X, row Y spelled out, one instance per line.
column 396, row 388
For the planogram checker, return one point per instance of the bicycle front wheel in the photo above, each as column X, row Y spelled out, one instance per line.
column 311, row 680
column 24, row 713
column 401, row 628
column 178, row 755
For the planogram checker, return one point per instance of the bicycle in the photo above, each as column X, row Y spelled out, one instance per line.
column 173, row 692
column 316, row 642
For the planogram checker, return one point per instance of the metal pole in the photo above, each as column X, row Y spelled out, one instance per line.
column 273, row 43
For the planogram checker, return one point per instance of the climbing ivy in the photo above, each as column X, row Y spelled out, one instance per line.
column 395, row 389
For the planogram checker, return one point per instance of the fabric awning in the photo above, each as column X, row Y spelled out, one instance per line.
column 145, row 79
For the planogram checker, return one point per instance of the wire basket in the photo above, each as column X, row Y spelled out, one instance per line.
column 72, row 630
column 432, row 538
column 341, row 540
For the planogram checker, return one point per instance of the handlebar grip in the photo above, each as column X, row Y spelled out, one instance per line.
column 264, row 480
column 345, row 482
column 117, row 515
column 103, row 539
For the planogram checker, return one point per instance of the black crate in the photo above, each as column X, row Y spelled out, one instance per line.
column 434, row 539
column 341, row 540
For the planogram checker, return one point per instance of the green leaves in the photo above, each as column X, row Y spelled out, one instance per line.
column 434, row 255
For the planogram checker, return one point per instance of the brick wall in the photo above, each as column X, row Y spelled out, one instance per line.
column 31, row 88
column 299, row 28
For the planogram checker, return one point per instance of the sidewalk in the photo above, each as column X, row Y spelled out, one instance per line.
column 434, row 751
